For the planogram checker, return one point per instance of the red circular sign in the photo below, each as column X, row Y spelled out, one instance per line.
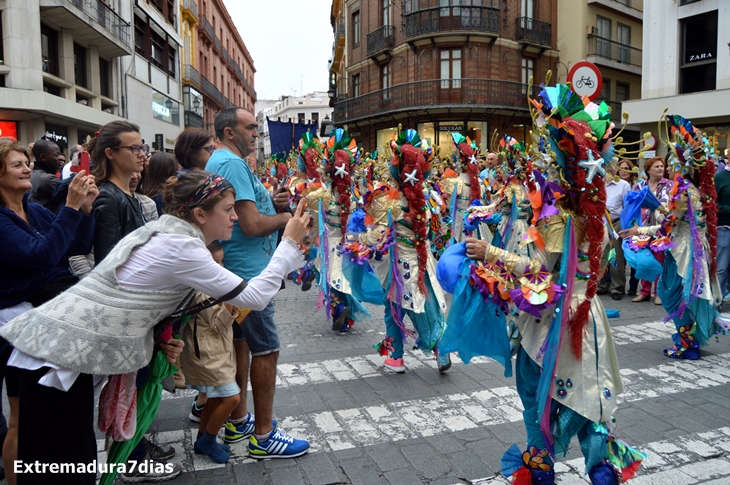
column 586, row 79
column 650, row 143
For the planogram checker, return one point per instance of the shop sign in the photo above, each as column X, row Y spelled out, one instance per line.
column 9, row 128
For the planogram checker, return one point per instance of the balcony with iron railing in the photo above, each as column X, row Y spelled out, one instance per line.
column 212, row 91
column 340, row 32
column 207, row 28
column 191, row 75
column 381, row 39
column 609, row 53
column 190, row 10
column 424, row 22
column 225, row 55
column 218, row 45
column 92, row 22
column 534, row 32
column 470, row 94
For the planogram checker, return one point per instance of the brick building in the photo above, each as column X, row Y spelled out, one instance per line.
column 438, row 66
column 223, row 71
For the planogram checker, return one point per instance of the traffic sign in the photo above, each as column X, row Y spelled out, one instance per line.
column 586, row 79
column 651, row 142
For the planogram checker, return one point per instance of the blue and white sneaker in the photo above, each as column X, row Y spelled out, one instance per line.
column 279, row 445
column 239, row 432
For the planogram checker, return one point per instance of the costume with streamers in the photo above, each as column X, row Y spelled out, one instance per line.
column 398, row 224
column 336, row 251
column 307, row 184
column 567, row 373
column 688, row 286
column 461, row 187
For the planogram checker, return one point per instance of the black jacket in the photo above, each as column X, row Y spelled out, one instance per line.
column 116, row 214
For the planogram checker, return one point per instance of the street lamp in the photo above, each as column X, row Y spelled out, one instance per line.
column 196, row 103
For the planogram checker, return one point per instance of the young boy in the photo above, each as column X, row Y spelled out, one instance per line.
column 213, row 374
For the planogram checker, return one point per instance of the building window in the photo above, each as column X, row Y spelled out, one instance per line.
column 105, row 77
column 386, row 12
column 80, row 65
column 301, row 116
column 623, row 91
column 528, row 7
column 385, row 76
column 623, row 49
column 171, row 60
column 698, row 68
column 2, row 49
column 166, row 8
column 355, row 85
column 450, row 68
column 605, row 90
column 158, row 49
column 603, row 37
column 356, row 28
column 140, row 36
column 49, row 50
column 315, row 117
column 528, row 69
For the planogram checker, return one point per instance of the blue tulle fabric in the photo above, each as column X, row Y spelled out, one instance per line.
column 643, row 261
column 475, row 327
column 671, row 290
column 449, row 266
column 364, row 283
column 646, row 265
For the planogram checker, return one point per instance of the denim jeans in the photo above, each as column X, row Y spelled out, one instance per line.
column 723, row 257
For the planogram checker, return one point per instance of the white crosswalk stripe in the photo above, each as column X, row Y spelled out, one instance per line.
column 369, row 425
column 352, row 368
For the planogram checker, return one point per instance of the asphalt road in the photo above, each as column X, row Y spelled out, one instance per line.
column 368, row 425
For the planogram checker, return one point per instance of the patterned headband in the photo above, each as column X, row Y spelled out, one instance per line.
column 212, row 185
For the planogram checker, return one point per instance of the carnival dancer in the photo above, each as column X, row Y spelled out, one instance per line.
column 398, row 220
column 461, row 186
column 307, row 183
column 688, row 286
column 341, row 156
column 567, row 373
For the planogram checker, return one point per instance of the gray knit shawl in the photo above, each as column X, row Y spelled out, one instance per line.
column 96, row 326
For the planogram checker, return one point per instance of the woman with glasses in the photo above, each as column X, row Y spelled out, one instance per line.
column 162, row 166
column 193, row 148
column 117, row 152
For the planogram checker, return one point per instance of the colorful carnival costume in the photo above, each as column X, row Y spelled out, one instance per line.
column 398, row 220
column 567, row 373
column 307, row 184
column 461, row 187
column 688, row 286
column 341, row 155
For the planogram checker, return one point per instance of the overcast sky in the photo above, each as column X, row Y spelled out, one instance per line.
column 290, row 42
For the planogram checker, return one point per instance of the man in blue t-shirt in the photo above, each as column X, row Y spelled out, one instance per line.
column 247, row 253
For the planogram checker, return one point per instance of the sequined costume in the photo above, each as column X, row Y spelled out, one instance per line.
column 688, row 286
column 398, row 219
column 567, row 373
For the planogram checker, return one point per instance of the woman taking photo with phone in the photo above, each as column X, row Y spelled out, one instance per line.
column 104, row 325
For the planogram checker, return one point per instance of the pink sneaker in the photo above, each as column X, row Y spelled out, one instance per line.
column 395, row 365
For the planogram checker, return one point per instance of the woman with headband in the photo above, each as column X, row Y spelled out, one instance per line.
column 104, row 324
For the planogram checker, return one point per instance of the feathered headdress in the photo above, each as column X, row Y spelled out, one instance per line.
column 467, row 151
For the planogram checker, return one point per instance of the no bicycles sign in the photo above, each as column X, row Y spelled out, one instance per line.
column 586, row 79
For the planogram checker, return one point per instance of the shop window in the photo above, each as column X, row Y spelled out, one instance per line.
column 80, row 65
column 698, row 68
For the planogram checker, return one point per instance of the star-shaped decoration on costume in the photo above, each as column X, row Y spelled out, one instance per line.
column 411, row 177
column 473, row 160
column 593, row 166
column 341, row 172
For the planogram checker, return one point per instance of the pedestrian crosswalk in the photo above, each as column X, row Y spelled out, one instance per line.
column 690, row 458
column 371, row 365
